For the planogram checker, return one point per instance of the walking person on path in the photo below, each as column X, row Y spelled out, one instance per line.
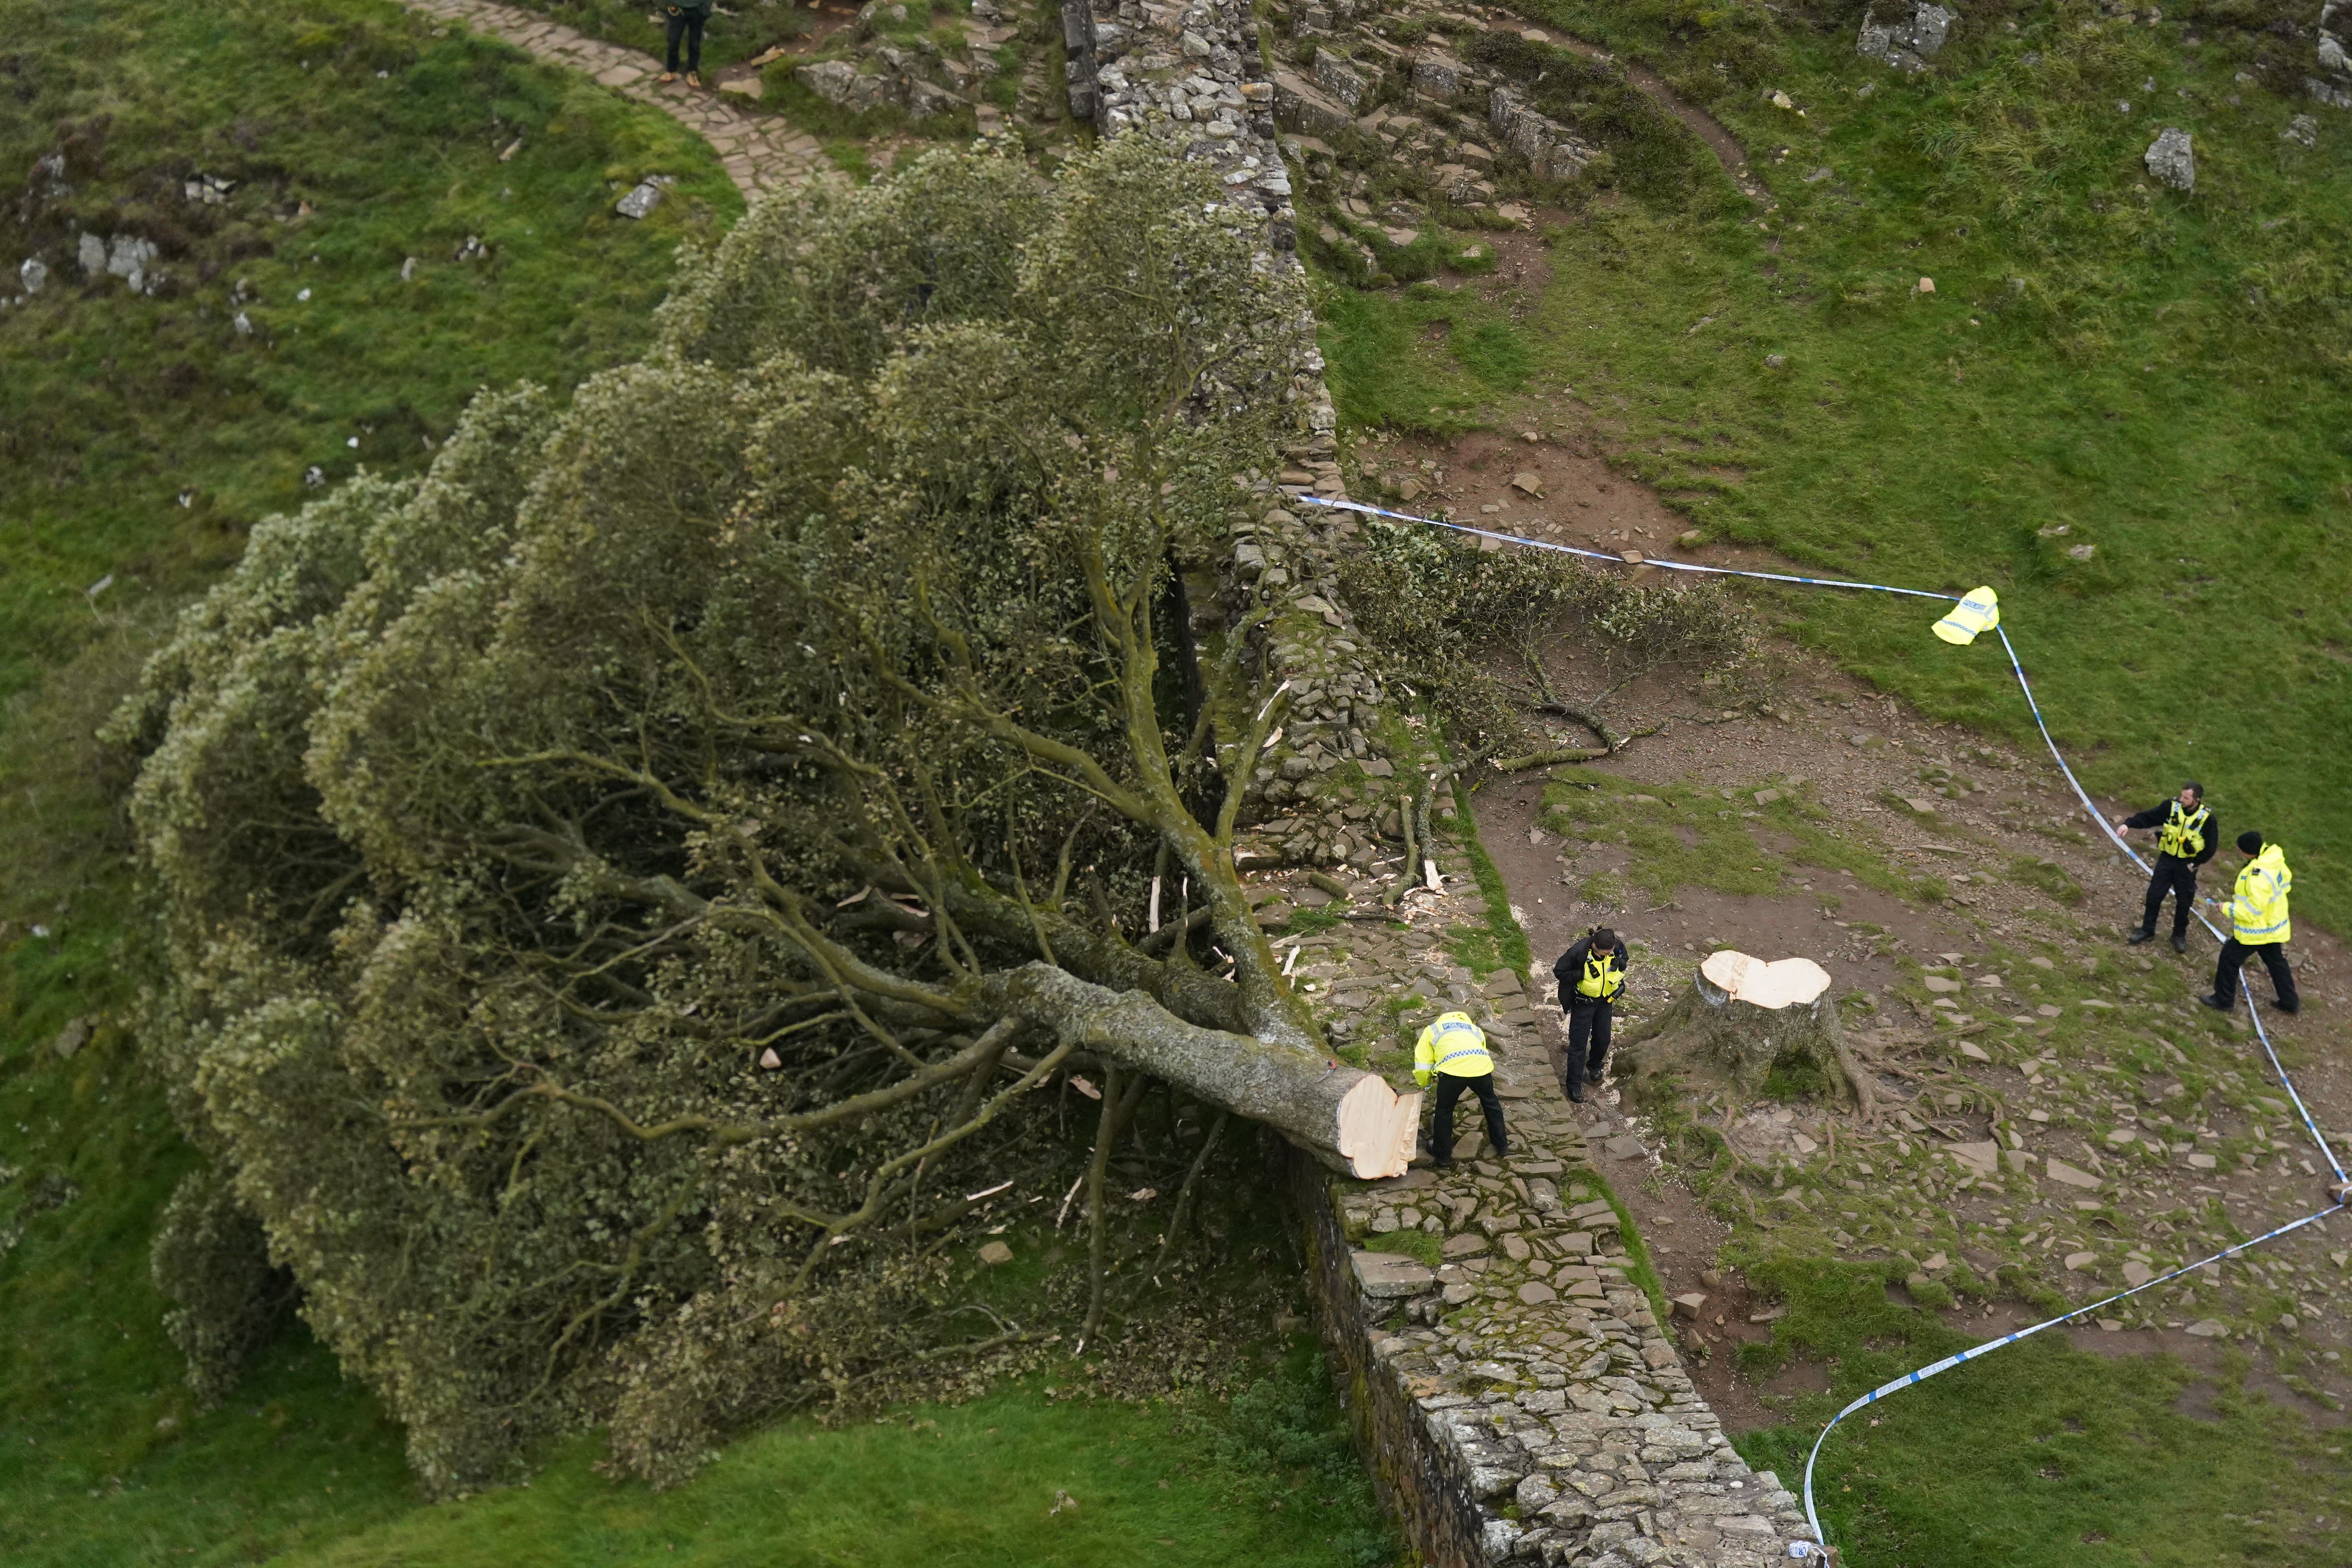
column 2258, row 926
column 2190, row 837
column 1590, row 975
column 1454, row 1050
column 686, row 18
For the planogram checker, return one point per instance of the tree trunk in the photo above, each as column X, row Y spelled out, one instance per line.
column 1349, row 1120
column 1742, row 1016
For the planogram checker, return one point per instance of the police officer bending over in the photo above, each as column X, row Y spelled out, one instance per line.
column 1454, row 1049
column 1590, row 975
column 2189, row 840
column 2258, row 926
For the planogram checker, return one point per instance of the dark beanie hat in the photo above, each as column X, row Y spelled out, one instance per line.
column 2251, row 842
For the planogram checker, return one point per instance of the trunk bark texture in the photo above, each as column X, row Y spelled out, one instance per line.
column 1739, row 1018
column 1349, row 1120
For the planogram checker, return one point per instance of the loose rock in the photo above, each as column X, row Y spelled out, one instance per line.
column 2171, row 159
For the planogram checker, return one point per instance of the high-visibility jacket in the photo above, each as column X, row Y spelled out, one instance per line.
column 1979, row 612
column 2258, row 910
column 1452, row 1045
column 2184, row 832
column 1604, row 977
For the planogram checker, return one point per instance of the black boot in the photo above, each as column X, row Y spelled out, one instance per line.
column 2145, row 934
column 2180, row 941
column 1576, row 1090
column 2216, row 1003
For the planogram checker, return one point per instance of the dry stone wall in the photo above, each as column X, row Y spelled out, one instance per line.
column 1518, row 1398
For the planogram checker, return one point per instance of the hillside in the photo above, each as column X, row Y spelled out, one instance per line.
column 1707, row 328
column 2122, row 405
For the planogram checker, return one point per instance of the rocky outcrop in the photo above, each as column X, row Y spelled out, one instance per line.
column 1908, row 38
column 2332, row 83
column 1552, row 150
column 126, row 256
column 908, row 69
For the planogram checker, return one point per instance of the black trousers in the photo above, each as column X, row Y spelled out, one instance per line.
column 687, row 25
column 1449, row 1094
column 1588, row 1025
column 2178, row 877
column 2235, row 954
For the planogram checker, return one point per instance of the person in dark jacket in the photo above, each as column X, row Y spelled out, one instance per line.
column 685, row 19
column 1590, row 975
column 2189, row 838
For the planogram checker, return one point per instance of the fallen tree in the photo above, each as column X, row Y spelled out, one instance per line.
column 619, row 889
column 1498, row 640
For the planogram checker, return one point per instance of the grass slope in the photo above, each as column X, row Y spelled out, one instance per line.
column 354, row 137
column 958, row 1486
column 143, row 434
column 2161, row 376
column 2038, row 1454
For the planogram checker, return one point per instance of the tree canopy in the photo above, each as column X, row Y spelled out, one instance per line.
column 616, row 891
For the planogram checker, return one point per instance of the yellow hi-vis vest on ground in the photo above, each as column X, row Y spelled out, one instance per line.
column 1452, row 1045
column 1979, row 612
column 2184, row 833
column 2258, row 911
column 1604, row 977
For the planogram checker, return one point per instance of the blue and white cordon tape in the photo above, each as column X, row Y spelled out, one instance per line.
column 2340, row 1189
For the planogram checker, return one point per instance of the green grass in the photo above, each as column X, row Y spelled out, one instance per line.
column 1499, row 943
column 2165, row 382
column 726, row 39
column 2039, row 1453
column 1384, row 370
column 1677, row 837
column 1417, row 1244
column 115, row 406
column 142, row 436
column 1265, row 1479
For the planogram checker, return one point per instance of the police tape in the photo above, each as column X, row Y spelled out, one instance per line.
column 1975, row 1351
column 1988, row 619
column 2098, row 816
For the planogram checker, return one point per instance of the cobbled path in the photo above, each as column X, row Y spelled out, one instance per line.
column 761, row 153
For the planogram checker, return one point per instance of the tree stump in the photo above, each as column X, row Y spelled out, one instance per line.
column 1740, row 1017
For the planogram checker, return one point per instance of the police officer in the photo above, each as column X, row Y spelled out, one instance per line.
column 2258, row 926
column 1454, row 1049
column 1590, row 975
column 2189, row 840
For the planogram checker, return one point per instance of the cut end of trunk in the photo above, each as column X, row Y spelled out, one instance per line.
column 1377, row 1129
column 1790, row 982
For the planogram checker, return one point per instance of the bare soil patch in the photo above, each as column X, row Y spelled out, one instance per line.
column 1852, row 751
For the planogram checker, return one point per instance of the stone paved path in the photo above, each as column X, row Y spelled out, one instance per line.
column 761, row 153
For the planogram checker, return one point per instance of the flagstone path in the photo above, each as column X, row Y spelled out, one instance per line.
column 761, row 153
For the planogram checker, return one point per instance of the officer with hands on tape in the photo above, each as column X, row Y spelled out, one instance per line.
column 2259, row 927
column 1454, row 1051
column 1590, row 975
column 2188, row 840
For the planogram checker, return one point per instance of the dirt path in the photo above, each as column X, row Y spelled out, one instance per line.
column 2206, row 1158
column 761, row 153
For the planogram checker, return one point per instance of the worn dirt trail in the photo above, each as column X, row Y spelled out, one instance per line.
column 2230, row 1160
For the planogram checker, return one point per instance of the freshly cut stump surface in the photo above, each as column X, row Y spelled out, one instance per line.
column 1742, row 1017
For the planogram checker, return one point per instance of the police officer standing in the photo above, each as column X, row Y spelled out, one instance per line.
column 1453, row 1049
column 1590, row 975
column 2258, row 926
column 2189, row 840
